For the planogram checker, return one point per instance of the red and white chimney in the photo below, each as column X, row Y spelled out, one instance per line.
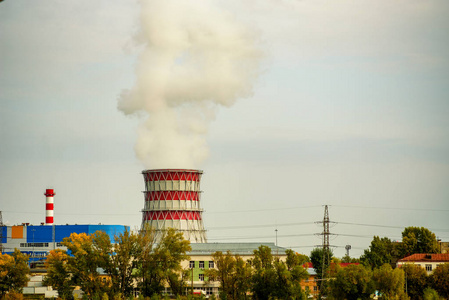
column 49, row 193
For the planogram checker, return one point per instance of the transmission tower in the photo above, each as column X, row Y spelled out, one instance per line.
column 326, row 233
column 326, row 247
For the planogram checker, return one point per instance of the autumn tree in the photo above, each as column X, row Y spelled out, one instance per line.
column 417, row 240
column 13, row 272
column 352, row 282
column 415, row 280
column 58, row 273
column 389, row 282
column 87, row 255
column 440, row 280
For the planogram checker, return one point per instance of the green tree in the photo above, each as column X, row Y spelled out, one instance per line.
column 316, row 257
column 232, row 272
column 417, row 240
column 415, row 280
column 352, row 282
column 348, row 259
column 223, row 272
column 430, row 294
column 161, row 263
column 273, row 278
column 13, row 272
column 58, row 274
column 440, row 280
column 379, row 253
column 123, row 262
column 389, row 282
column 264, row 276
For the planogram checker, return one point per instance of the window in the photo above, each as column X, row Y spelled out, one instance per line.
column 192, row 264
column 201, row 277
column 315, row 288
column 211, row 265
column 428, row 268
column 201, row 266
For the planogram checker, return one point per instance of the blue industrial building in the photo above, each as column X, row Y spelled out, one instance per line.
column 37, row 241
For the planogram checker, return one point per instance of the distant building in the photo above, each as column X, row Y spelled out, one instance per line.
column 201, row 260
column 429, row 262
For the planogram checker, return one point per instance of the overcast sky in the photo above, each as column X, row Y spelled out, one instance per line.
column 348, row 107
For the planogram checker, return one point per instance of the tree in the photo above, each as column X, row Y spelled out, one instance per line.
column 264, row 274
column 87, row 256
column 272, row 278
column 389, row 282
column 13, row 272
column 58, row 274
column 415, row 280
column 161, row 263
column 316, row 257
column 379, row 253
column 440, row 280
column 348, row 259
column 430, row 294
column 418, row 240
column 352, row 282
column 232, row 272
column 123, row 262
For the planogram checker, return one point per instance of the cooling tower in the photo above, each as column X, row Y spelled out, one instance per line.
column 172, row 199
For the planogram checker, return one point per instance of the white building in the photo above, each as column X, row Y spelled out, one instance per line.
column 427, row 261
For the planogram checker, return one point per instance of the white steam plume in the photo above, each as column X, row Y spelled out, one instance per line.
column 194, row 58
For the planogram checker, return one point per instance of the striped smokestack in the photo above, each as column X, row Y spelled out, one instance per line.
column 49, row 193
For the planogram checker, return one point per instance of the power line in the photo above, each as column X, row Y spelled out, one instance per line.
column 262, row 209
column 259, row 226
column 259, row 237
column 392, row 208
column 388, row 226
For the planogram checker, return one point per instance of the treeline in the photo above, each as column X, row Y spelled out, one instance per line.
column 359, row 281
column 264, row 276
column 132, row 259
column 377, row 270
column 106, row 269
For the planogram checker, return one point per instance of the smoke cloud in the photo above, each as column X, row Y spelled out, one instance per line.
column 195, row 58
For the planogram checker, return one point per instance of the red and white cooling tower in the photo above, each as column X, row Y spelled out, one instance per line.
column 49, row 193
column 172, row 199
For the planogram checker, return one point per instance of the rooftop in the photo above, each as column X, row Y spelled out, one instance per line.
column 427, row 257
column 235, row 248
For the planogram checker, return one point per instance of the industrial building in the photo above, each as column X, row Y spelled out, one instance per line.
column 37, row 240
